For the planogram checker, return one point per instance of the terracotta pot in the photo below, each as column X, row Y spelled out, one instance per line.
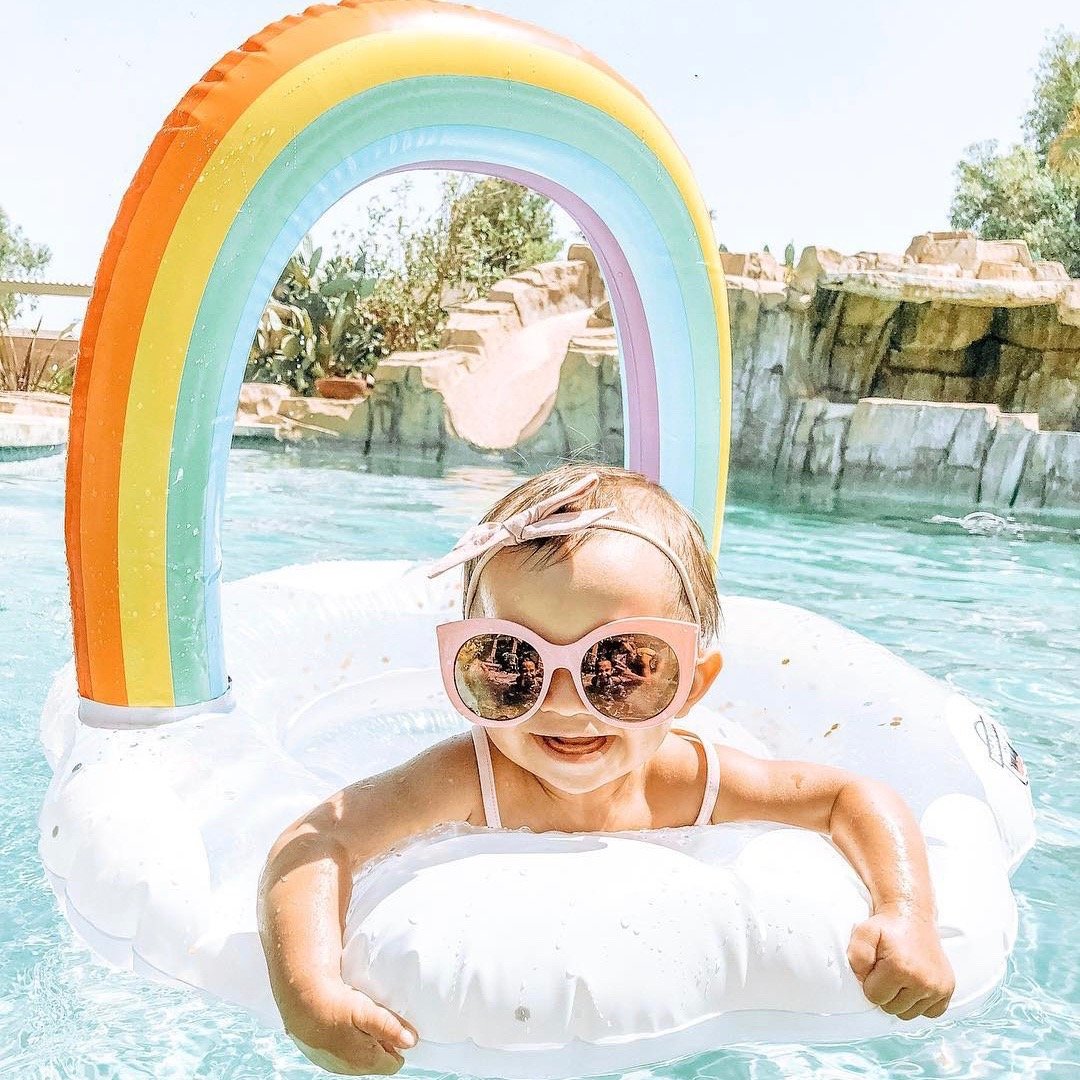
column 341, row 388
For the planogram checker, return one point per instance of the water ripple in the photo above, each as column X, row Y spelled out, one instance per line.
column 990, row 609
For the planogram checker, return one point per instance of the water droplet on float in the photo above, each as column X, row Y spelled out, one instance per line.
column 522, row 1014
column 624, row 923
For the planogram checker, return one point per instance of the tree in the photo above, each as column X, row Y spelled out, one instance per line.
column 1057, row 91
column 18, row 258
column 1015, row 195
column 1064, row 156
column 28, row 366
column 483, row 231
column 1032, row 190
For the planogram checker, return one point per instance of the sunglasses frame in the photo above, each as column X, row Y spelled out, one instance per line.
column 680, row 637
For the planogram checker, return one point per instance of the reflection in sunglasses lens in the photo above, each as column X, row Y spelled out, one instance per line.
column 630, row 676
column 499, row 677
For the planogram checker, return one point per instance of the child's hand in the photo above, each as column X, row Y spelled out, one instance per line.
column 897, row 956
column 343, row 1031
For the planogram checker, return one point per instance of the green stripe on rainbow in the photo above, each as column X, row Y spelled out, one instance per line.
column 327, row 124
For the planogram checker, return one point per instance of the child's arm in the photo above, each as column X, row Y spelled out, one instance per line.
column 896, row 954
column 304, row 896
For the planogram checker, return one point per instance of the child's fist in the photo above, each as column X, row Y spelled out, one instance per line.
column 897, row 956
column 343, row 1031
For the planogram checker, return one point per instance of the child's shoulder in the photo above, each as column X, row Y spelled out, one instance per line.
column 452, row 758
column 446, row 772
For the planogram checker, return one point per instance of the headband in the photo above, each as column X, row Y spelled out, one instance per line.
column 539, row 522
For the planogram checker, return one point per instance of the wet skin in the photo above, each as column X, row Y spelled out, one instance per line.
column 585, row 769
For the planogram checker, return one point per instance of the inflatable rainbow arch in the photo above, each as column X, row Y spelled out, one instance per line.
column 274, row 135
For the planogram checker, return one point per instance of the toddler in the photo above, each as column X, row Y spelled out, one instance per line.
column 590, row 619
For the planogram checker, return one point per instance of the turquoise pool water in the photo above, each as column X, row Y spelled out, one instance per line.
column 997, row 616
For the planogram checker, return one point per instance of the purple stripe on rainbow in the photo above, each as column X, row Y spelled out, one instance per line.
column 642, row 422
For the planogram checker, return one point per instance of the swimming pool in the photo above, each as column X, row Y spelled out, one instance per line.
column 997, row 616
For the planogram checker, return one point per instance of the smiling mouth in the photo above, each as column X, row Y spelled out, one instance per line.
column 575, row 748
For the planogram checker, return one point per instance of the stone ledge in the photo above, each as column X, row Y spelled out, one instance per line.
column 23, row 432
column 32, row 424
column 920, row 287
column 968, row 455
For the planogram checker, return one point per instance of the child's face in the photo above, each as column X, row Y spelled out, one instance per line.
column 611, row 576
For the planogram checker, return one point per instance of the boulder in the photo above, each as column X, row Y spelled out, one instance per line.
column 959, row 249
column 261, row 399
column 1036, row 328
column 602, row 316
column 965, row 250
column 814, row 263
column 756, row 265
column 941, row 327
column 1003, row 271
column 1050, row 387
column 595, row 290
column 872, row 260
column 1068, row 305
column 940, row 361
column 472, row 325
column 828, row 436
column 1048, row 270
column 547, row 289
column 791, row 464
column 1005, row 459
column 917, row 449
column 587, row 417
column 1051, row 475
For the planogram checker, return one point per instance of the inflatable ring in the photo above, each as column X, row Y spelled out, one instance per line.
column 155, row 857
column 641, row 947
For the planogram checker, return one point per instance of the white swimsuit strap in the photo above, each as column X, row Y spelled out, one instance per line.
column 491, row 804
column 712, row 775
column 487, row 777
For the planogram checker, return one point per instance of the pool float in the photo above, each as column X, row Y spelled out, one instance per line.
column 636, row 948
column 173, row 774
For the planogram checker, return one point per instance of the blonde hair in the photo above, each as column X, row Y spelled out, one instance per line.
column 635, row 498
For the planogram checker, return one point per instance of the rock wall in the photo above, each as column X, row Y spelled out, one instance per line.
column 490, row 387
column 32, row 425
column 949, row 375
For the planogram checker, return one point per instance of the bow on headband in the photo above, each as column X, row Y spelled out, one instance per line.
column 533, row 523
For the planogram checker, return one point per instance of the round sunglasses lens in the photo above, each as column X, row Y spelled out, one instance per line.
column 630, row 677
column 497, row 676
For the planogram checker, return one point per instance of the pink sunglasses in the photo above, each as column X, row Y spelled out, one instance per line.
column 632, row 673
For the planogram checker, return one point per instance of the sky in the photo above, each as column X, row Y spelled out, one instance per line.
column 835, row 123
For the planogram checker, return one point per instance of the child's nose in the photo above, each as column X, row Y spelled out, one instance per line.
column 562, row 696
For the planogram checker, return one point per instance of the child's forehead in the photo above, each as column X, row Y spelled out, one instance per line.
column 610, row 576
